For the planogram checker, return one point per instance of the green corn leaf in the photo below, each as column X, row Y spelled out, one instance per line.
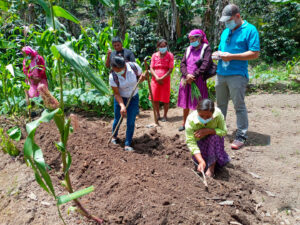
column 60, row 121
column 34, row 154
column 46, row 177
column 60, row 12
column 41, row 182
column 14, row 133
column 82, row 66
column 67, row 130
column 60, row 146
column 69, row 197
column 69, row 162
column 46, row 116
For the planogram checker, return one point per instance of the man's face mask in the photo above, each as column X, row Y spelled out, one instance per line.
column 231, row 24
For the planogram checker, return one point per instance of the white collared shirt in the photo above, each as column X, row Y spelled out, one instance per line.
column 126, row 84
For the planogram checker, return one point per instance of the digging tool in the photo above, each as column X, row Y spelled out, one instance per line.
column 203, row 174
column 203, row 180
column 121, row 118
column 150, row 91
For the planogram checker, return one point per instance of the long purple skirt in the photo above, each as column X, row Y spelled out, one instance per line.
column 184, row 94
column 212, row 150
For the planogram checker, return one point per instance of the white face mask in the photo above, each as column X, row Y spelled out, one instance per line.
column 203, row 120
column 120, row 73
column 230, row 24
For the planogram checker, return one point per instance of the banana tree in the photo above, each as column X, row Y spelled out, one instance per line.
column 117, row 12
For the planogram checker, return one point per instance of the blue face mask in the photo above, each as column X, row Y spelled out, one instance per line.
column 203, row 120
column 120, row 73
column 163, row 50
column 28, row 57
column 231, row 24
column 194, row 44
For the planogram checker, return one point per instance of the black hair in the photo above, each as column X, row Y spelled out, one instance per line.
column 206, row 105
column 118, row 61
column 161, row 41
column 116, row 39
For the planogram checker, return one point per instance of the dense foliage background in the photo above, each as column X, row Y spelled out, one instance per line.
column 140, row 23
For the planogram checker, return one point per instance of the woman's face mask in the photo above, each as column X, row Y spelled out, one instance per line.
column 163, row 50
column 203, row 120
column 194, row 44
column 28, row 57
column 121, row 72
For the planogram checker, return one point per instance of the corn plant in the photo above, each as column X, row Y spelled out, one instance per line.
column 55, row 110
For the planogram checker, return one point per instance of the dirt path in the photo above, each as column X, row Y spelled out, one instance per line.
column 155, row 185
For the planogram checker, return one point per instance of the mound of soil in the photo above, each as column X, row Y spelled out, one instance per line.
column 153, row 185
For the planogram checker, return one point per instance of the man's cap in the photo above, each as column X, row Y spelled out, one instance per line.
column 229, row 11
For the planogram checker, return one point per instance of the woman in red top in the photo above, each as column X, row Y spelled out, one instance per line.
column 161, row 67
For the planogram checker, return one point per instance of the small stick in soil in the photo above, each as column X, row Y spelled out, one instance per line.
column 150, row 91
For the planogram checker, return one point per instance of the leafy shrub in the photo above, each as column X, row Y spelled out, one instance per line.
column 143, row 39
column 7, row 145
column 278, row 26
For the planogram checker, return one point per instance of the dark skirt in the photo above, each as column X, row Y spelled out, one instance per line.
column 212, row 150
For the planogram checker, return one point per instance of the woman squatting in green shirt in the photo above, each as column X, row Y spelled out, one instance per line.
column 205, row 129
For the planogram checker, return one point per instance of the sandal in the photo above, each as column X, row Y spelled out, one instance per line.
column 182, row 128
column 128, row 149
column 164, row 119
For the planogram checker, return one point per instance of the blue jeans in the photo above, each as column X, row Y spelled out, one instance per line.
column 132, row 112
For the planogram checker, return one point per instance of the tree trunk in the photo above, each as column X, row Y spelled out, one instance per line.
column 162, row 25
column 122, row 22
column 211, row 25
column 30, row 15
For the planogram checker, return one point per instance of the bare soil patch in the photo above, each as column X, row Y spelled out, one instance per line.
column 156, row 184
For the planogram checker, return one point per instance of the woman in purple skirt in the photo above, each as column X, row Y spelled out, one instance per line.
column 205, row 131
column 192, row 73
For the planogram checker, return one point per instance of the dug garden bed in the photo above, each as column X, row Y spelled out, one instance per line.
column 153, row 185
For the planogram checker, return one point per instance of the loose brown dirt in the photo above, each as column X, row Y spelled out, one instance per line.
column 156, row 184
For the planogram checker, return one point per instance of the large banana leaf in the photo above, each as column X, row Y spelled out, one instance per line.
column 60, row 12
column 81, row 65
column 47, row 9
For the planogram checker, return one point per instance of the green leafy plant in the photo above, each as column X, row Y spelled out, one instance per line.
column 195, row 92
column 6, row 144
column 14, row 133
